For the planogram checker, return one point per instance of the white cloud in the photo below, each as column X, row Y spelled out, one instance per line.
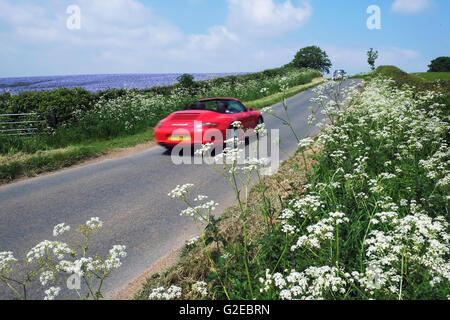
column 397, row 56
column 410, row 6
column 116, row 36
column 107, row 23
column 265, row 17
column 216, row 38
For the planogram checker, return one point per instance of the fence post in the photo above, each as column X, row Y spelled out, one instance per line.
column 53, row 118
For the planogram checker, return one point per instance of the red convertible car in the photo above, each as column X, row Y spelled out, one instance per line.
column 206, row 121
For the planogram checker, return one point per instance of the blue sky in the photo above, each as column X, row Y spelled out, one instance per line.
column 157, row 36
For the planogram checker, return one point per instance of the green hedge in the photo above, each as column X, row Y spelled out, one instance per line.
column 65, row 100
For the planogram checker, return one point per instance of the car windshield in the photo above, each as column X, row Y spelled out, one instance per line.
column 217, row 105
column 211, row 105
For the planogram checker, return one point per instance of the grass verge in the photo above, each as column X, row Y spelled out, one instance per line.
column 433, row 76
column 371, row 221
column 28, row 165
column 275, row 98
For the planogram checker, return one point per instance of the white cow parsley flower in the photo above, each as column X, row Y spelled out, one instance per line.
column 51, row 293
column 60, row 229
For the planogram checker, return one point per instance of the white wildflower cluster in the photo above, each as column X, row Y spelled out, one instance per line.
column 315, row 283
column 438, row 165
column 6, row 261
column 261, row 130
column 204, row 149
column 331, row 98
column 321, row 231
column 298, row 209
column 306, row 143
column 201, row 211
column 237, row 125
column 416, row 239
column 385, row 143
column 46, row 277
column 192, row 241
column 269, row 280
column 161, row 293
column 308, row 204
column 180, row 192
column 84, row 265
column 267, row 110
column 114, row 259
column 200, row 288
column 51, row 258
column 45, row 248
column 81, row 266
column 285, row 218
column 226, row 256
column 254, row 164
column 60, row 229
column 232, row 158
column 94, row 223
column 52, row 293
column 232, row 155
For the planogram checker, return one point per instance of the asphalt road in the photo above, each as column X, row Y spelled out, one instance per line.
column 129, row 195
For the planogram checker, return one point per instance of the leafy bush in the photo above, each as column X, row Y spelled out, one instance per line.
column 186, row 80
column 312, row 57
column 372, row 56
column 441, row 64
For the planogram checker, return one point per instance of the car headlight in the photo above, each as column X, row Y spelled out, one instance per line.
column 159, row 124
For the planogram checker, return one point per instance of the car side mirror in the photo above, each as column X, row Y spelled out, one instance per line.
column 250, row 109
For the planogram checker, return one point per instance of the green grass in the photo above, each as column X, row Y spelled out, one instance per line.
column 364, row 75
column 420, row 81
column 401, row 77
column 433, row 76
column 277, row 97
column 28, row 165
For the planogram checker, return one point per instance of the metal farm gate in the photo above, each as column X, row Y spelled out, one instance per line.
column 20, row 124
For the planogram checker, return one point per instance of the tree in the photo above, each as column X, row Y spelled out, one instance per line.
column 186, row 80
column 441, row 64
column 372, row 56
column 312, row 57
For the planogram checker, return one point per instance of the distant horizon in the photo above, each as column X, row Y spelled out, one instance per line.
column 171, row 73
column 99, row 82
column 119, row 74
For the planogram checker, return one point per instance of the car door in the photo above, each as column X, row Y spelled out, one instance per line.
column 241, row 114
